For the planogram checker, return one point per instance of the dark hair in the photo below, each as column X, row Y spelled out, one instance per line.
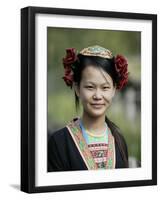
column 119, row 139
column 108, row 66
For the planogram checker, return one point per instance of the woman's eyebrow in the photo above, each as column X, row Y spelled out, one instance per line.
column 105, row 83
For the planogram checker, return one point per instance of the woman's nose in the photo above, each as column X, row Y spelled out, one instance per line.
column 97, row 94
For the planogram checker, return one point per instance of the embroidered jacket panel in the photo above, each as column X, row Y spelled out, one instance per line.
column 63, row 154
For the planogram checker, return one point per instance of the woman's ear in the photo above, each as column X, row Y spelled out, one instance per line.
column 76, row 88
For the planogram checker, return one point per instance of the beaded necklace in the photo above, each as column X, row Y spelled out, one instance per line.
column 91, row 137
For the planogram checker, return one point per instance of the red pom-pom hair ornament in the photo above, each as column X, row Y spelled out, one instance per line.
column 121, row 67
column 70, row 58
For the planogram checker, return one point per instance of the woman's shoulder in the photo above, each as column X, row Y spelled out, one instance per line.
column 118, row 133
column 60, row 133
column 116, row 130
column 119, row 138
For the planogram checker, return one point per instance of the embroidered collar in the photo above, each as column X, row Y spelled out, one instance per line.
column 77, row 136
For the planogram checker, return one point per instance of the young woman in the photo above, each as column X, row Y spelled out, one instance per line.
column 91, row 141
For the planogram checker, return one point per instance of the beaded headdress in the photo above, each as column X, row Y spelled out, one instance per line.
column 96, row 51
column 120, row 63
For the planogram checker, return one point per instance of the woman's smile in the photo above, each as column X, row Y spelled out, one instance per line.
column 96, row 105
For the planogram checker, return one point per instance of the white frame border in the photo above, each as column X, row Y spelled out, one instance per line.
column 42, row 178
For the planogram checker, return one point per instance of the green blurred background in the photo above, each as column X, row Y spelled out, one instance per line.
column 125, row 111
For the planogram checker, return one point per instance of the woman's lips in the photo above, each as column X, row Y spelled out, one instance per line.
column 95, row 105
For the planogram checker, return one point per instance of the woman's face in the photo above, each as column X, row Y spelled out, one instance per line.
column 96, row 91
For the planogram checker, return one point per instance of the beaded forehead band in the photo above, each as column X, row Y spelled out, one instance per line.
column 120, row 63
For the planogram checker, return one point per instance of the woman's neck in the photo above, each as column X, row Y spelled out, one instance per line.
column 94, row 124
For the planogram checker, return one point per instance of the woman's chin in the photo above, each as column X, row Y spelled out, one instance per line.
column 97, row 112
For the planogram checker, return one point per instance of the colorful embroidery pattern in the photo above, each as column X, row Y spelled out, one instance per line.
column 76, row 134
column 99, row 153
column 88, row 157
column 97, row 51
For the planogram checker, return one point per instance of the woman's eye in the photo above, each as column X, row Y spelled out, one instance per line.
column 105, row 88
column 89, row 87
